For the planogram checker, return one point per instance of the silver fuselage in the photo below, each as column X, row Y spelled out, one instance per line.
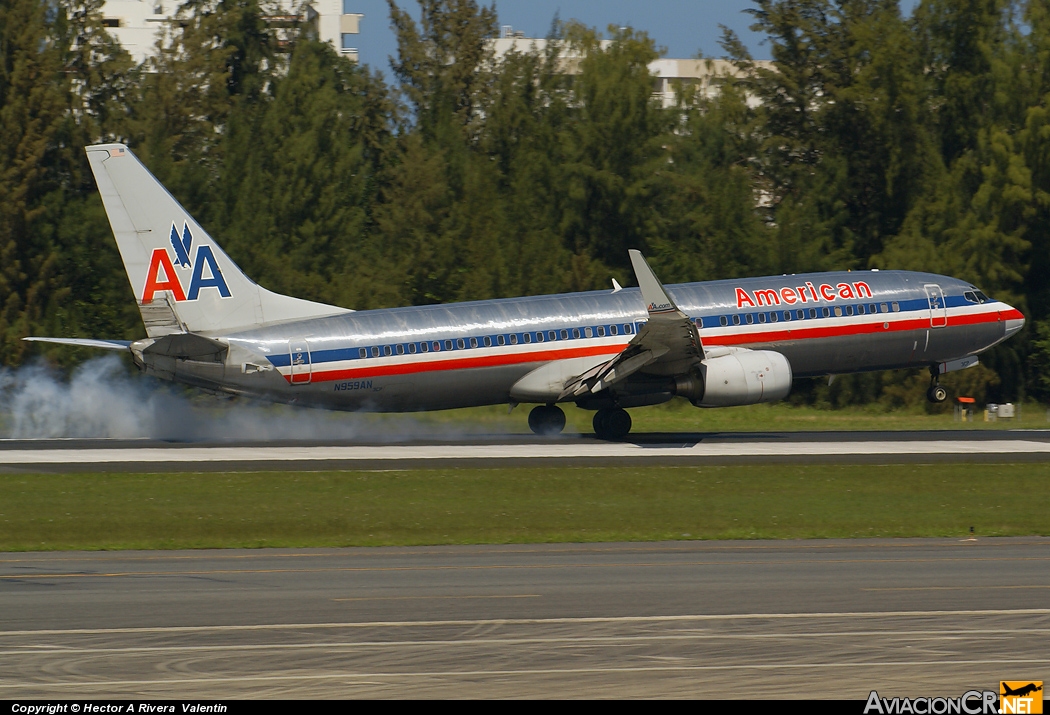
column 467, row 354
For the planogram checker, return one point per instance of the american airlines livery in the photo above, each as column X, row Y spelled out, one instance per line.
column 717, row 344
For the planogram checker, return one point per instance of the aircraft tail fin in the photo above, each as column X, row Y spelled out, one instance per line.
column 183, row 281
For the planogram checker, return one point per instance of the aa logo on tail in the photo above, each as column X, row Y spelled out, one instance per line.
column 162, row 273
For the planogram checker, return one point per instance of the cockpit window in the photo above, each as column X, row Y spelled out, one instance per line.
column 975, row 296
column 981, row 296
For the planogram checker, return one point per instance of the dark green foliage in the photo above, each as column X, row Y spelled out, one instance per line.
column 59, row 77
column 875, row 140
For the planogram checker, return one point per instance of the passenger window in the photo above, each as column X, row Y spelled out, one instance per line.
column 386, row 350
column 363, row 353
column 448, row 344
column 627, row 329
column 565, row 335
column 826, row 312
column 774, row 317
column 761, row 317
column 412, row 348
column 601, row 331
column 473, row 342
column 539, row 336
column 812, row 312
column 461, row 344
column 500, row 340
column 528, row 337
column 488, row 341
column 400, row 349
column 588, row 333
column 849, row 310
column 575, row 332
column 736, row 320
column 884, row 308
column 896, row 307
column 750, row 318
column 838, row 312
column 723, row 321
column 787, row 315
column 613, row 330
column 800, row 314
column 513, row 338
column 375, row 352
column 551, row 335
column 425, row 347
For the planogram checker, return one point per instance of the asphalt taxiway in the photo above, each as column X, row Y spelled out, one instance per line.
column 703, row 619
column 520, row 450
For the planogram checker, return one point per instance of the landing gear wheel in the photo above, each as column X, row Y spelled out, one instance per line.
column 936, row 393
column 611, row 424
column 547, row 420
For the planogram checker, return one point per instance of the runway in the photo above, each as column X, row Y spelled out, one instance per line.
column 519, row 450
column 681, row 619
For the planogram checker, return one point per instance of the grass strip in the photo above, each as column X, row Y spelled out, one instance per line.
column 472, row 506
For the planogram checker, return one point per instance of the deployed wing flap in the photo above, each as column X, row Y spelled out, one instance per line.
column 631, row 360
column 667, row 344
column 84, row 342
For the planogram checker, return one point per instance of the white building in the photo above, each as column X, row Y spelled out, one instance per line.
column 135, row 23
column 668, row 73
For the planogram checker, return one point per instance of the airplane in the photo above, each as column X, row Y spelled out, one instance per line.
column 717, row 343
column 1023, row 690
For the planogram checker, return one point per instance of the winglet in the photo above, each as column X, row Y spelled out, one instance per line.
column 657, row 302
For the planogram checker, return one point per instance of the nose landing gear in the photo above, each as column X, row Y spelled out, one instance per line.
column 547, row 420
column 936, row 393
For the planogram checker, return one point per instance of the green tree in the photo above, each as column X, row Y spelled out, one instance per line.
column 60, row 79
column 299, row 178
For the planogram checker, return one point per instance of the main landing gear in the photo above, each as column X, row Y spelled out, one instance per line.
column 547, row 420
column 936, row 393
column 612, row 423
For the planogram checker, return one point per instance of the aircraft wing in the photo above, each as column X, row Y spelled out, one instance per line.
column 668, row 343
column 84, row 342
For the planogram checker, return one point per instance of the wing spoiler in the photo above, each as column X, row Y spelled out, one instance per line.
column 668, row 338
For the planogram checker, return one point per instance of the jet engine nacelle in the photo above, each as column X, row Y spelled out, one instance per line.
column 740, row 378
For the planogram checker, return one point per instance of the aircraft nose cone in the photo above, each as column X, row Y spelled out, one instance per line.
column 1013, row 320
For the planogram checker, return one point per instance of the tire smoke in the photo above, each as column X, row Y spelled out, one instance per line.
column 102, row 399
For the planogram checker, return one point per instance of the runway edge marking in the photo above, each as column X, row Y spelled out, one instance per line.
column 531, row 621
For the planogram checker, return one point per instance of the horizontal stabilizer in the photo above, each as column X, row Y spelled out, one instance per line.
column 84, row 342
column 187, row 346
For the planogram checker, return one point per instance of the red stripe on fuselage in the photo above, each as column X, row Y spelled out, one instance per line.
column 464, row 363
column 770, row 336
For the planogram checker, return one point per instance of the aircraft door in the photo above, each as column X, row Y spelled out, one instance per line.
column 299, row 351
column 938, row 310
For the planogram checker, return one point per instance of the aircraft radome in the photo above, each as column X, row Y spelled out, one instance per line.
column 718, row 343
